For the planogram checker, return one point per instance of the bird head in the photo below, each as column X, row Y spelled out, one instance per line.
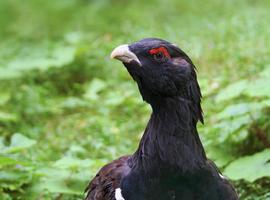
column 161, row 70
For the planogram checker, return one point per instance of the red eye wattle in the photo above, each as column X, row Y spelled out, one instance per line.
column 159, row 50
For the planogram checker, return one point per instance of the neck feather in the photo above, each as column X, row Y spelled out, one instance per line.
column 170, row 140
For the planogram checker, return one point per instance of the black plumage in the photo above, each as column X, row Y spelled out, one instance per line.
column 170, row 162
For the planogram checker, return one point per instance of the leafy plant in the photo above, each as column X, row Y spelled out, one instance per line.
column 258, row 162
column 66, row 109
column 243, row 125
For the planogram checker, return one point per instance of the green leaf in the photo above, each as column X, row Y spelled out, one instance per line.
column 70, row 162
column 5, row 196
column 58, row 57
column 227, row 128
column 251, row 167
column 115, row 98
column 220, row 155
column 19, row 142
column 4, row 161
column 11, row 176
column 240, row 135
column 7, row 161
column 60, row 179
column 2, row 143
column 232, row 91
column 239, row 109
column 265, row 72
column 259, row 88
column 73, row 103
column 7, row 117
column 4, row 97
column 56, row 186
column 94, row 88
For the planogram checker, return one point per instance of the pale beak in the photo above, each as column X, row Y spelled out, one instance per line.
column 123, row 54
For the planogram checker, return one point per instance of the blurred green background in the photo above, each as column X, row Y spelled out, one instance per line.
column 66, row 109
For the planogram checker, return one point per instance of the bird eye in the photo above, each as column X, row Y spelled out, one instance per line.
column 160, row 54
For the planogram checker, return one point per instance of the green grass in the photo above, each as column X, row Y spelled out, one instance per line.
column 73, row 109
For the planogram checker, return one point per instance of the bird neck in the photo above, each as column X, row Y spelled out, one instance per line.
column 170, row 140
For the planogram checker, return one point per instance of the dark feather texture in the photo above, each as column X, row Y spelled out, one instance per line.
column 170, row 162
column 102, row 187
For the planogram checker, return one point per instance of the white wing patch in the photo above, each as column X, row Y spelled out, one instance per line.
column 221, row 176
column 118, row 194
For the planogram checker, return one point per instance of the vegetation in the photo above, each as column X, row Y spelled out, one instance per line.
column 66, row 109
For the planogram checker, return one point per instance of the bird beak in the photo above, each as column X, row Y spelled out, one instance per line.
column 123, row 54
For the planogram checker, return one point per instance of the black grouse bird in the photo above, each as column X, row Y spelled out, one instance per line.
column 170, row 162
